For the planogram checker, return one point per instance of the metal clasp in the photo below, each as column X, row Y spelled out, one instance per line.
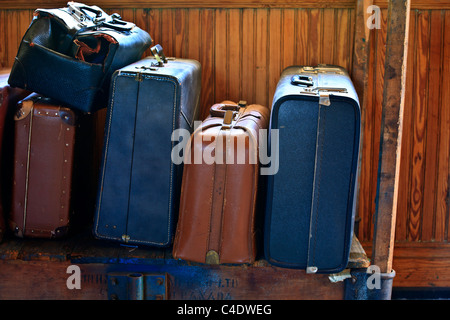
column 137, row 286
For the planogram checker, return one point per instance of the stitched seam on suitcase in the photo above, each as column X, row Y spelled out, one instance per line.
column 211, row 245
column 132, row 157
column 25, row 207
column 106, row 153
column 319, row 175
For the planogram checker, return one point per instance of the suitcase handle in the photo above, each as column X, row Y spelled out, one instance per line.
column 219, row 109
column 306, row 81
column 159, row 55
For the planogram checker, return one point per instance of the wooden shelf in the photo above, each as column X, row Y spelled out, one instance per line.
column 31, row 266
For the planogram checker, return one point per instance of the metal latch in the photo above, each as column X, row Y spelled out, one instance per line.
column 137, row 286
column 324, row 99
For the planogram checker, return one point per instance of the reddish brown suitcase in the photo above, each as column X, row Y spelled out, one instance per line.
column 218, row 200
column 43, row 163
column 8, row 100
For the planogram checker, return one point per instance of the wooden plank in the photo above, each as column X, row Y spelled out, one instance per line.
column 180, row 17
column 390, row 140
column 167, row 32
column 343, row 46
column 248, row 55
column 43, row 280
column 377, row 114
column 220, row 55
column 302, row 30
column 419, row 264
column 314, row 47
column 275, row 54
column 429, row 222
column 419, row 129
column 364, row 225
column 329, row 38
column 142, row 21
column 154, row 25
column 405, row 159
column 13, row 36
column 3, row 40
column 22, row 4
column 420, row 4
column 360, row 75
column 193, row 40
column 261, row 57
column 234, row 54
column 207, row 61
column 415, row 4
column 443, row 192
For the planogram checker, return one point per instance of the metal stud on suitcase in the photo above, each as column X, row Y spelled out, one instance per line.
column 139, row 185
column 43, row 163
column 311, row 200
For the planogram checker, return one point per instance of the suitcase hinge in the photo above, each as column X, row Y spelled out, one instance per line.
column 137, row 286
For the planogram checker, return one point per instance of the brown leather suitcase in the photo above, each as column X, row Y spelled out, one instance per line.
column 8, row 100
column 43, row 163
column 218, row 199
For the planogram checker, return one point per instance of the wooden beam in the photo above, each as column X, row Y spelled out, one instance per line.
column 391, row 133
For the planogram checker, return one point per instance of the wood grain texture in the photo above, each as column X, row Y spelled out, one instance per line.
column 391, row 133
column 284, row 4
column 30, row 267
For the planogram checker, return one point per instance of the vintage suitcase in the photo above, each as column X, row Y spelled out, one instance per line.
column 9, row 97
column 311, row 199
column 217, row 222
column 139, row 185
column 69, row 54
column 43, row 163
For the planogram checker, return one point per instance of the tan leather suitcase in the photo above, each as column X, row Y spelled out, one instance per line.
column 43, row 163
column 8, row 100
column 218, row 200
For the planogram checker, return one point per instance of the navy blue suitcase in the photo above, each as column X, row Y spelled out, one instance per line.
column 310, row 207
column 139, row 185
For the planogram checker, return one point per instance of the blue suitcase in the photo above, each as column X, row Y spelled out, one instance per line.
column 139, row 185
column 310, row 205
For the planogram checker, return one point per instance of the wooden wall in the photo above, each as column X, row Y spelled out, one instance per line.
column 422, row 226
column 243, row 47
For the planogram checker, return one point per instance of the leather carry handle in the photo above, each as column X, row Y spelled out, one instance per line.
column 159, row 55
column 113, row 21
column 220, row 109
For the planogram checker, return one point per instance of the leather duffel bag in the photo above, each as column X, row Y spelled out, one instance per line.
column 69, row 54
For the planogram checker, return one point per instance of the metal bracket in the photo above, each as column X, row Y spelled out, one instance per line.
column 137, row 286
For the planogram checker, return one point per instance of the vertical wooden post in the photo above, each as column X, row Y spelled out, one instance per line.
column 360, row 64
column 391, row 133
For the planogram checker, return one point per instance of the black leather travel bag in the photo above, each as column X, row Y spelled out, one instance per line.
column 69, row 54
